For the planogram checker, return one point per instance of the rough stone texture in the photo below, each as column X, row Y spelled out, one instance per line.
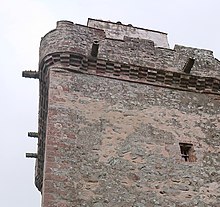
column 119, row 31
column 110, row 126
column 69, row 37
column 115, row 143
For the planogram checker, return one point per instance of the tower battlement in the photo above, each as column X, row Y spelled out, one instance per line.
column 128, row 45
column 119, row 31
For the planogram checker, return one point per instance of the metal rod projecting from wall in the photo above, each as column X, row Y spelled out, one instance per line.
column 33, row 134
column 188, row 65
column 31, row 155
column 30, row 74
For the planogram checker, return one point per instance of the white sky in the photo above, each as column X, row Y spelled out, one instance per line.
column 193, row 23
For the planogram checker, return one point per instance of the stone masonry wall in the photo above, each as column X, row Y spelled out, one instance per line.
column 69, row 37
column 111, row 127
column 119, row 31
column 112, row 143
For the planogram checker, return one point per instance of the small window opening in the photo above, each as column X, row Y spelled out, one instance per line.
column 187, row 152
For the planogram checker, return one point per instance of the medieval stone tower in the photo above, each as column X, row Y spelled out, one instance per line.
column 125, row 121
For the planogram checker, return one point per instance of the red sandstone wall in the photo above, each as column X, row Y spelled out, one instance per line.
column 119, row 31
column 112, row 143
column 69, row 37
column 131, row 59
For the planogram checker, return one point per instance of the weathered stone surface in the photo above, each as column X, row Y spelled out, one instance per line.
column 119, row 31
column 69, row 37
column 115, row 143
column 110, row 126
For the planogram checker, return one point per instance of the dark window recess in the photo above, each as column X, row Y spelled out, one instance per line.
column 187, row 152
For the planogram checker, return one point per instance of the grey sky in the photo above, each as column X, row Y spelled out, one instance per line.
column 192, row 23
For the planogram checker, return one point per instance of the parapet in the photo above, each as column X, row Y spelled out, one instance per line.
column 119, row 31
column 127, row 44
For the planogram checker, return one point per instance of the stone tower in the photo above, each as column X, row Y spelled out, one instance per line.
column 125, row 121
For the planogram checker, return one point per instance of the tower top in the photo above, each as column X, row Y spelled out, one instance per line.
column 119, row 31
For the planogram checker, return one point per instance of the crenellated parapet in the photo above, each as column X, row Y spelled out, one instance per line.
column 69, row 37
column 119, row 31
column 74, row 38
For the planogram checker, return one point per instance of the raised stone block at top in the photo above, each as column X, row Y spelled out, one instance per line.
column 118, row 31
column 64, row 24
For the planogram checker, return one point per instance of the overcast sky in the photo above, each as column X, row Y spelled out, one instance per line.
column 193, row 23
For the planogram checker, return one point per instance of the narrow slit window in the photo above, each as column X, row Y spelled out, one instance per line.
column 186, row 150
